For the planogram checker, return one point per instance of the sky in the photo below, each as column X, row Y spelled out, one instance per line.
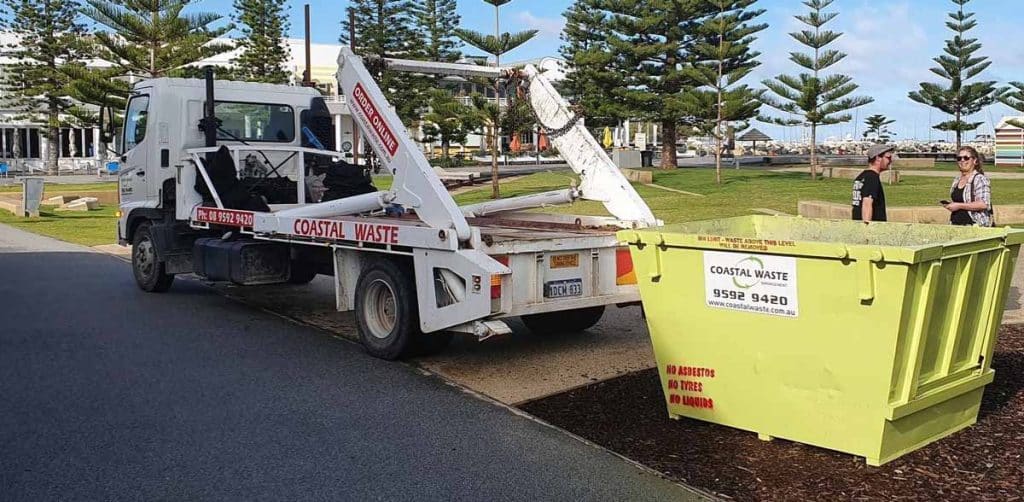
column 889, row 44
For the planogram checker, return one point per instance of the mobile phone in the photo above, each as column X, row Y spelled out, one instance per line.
column 943, row 202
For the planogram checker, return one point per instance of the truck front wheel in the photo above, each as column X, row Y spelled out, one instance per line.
column 387, row 314
column 566, row 321
column 148, row 270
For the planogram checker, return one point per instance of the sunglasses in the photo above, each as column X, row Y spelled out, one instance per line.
column 962, row 158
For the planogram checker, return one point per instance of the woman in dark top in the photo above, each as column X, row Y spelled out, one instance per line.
column 971, row 191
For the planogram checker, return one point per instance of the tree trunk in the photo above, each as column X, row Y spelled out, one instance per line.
column 718, row 159
column 814, row 152
column 52, row 142
column 495, row 192
column 718, row 131
column 958, row 132
column 445, row 146
column 718, row 91
column 668, row 145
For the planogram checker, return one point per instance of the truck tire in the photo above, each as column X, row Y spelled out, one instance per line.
column 147, row 269
column 387, row 315
column 566, row 321
column 301, row 272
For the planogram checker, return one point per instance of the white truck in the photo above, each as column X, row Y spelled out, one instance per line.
column 214, row 182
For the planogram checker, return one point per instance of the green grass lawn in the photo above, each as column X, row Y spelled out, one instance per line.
column 67, row 187
column 743, row 191
column 90, row 228
column 951, row 166
column 740, row 193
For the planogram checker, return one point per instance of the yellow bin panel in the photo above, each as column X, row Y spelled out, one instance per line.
column 873, row 339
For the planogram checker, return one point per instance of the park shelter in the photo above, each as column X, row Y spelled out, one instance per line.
column 1009, row 149
column 753, row 135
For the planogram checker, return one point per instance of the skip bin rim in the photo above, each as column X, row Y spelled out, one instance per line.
column 910, row 254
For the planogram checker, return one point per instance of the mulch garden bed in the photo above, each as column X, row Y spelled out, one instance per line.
column 628, row 415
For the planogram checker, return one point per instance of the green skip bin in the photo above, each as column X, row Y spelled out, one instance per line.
column 873, row 339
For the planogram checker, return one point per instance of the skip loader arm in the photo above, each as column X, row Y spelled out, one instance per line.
column 416, row 185
column 601, row 180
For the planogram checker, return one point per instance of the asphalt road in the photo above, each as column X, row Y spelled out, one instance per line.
column 109, row 393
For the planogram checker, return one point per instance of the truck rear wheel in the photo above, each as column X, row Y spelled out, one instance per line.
column 387, row 314
column 569, row 321
column 147, row 268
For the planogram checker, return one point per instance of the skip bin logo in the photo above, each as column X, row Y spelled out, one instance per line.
column 763, row 284
column 743, row 277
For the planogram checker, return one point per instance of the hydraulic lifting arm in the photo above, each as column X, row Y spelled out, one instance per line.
column 600, row 178
column 416, row 185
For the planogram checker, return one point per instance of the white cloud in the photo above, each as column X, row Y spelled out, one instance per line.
column 547, row 26
column 886, row 47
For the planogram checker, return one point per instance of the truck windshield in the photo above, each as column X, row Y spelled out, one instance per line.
column 135, row 121
column 255, row 121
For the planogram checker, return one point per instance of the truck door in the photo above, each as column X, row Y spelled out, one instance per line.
column 133, row 181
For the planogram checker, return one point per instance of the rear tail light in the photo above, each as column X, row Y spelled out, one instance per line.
column 496, row 279
column 624, row 273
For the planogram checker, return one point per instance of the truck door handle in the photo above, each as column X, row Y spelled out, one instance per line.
column 140, row 173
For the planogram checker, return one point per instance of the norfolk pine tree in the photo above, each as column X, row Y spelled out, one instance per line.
column 721, row 59
column 878, row 125
column 92, row 88
column 153, row 38
column 386, row 29
column 495, row 45
column 958, row 65
column 448, row 120
column 49, row 41
column 650, row 44
column 1013, row 96
column 820, row 100
column 437, row 21
column 590, row 77
column 263, row 24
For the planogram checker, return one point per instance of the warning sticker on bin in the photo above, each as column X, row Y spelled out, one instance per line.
column 763, row 284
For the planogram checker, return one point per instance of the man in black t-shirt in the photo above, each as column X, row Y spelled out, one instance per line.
column 868, row 197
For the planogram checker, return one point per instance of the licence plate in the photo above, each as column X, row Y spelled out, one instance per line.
column 565, row 260
column 563, row 289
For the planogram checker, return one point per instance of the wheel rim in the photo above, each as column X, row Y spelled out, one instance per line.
column 145, row 258
column 381, row 309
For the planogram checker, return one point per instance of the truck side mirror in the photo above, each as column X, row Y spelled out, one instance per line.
column 106, row 124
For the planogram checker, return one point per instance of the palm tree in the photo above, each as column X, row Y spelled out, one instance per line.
column 495, row 45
